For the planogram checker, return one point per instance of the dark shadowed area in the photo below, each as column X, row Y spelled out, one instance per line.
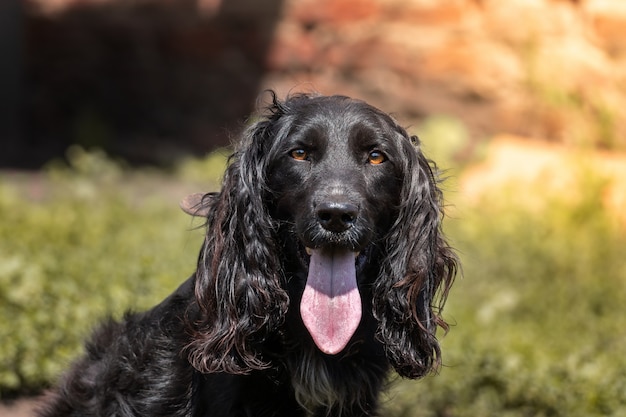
column 149, row 81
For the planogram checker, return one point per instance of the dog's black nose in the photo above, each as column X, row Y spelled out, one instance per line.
column 337, row 217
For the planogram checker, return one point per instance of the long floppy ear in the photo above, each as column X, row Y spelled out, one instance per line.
column 238, row 289
column 417, row 272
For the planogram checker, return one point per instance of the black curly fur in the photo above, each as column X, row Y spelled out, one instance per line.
column 230, row 341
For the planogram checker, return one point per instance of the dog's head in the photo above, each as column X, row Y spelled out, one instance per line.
column 330, row 186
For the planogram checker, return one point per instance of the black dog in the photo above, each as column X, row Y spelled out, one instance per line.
column 323, row 267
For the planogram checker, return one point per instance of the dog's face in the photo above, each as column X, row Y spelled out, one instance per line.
column 337, row 176
column 327, row 200
column 335, row 180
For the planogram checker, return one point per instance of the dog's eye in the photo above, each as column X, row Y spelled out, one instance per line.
column 299, row 154
column 376, row 157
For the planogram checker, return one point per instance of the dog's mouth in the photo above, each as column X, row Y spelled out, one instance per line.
column 331, row 303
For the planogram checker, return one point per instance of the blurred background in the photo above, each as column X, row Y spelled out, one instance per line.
column 111, row 111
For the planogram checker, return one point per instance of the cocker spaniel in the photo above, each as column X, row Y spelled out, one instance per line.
column 323, row 268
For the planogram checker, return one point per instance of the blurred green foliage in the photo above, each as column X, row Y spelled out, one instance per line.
column 77, row 243
column 447, row 140
column 538, row 323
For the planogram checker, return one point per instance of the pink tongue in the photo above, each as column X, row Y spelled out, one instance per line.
column 331, row 304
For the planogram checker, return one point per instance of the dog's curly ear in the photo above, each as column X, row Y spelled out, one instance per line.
column 238, row 280
column 197, row 204
column 418, row 270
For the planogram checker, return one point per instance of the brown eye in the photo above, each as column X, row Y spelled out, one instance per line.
column 299, row 154
column 376, row 157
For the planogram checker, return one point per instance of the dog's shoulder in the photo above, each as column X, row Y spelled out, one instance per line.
column 125, row 359
column 155, row 336
column 178, row 305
